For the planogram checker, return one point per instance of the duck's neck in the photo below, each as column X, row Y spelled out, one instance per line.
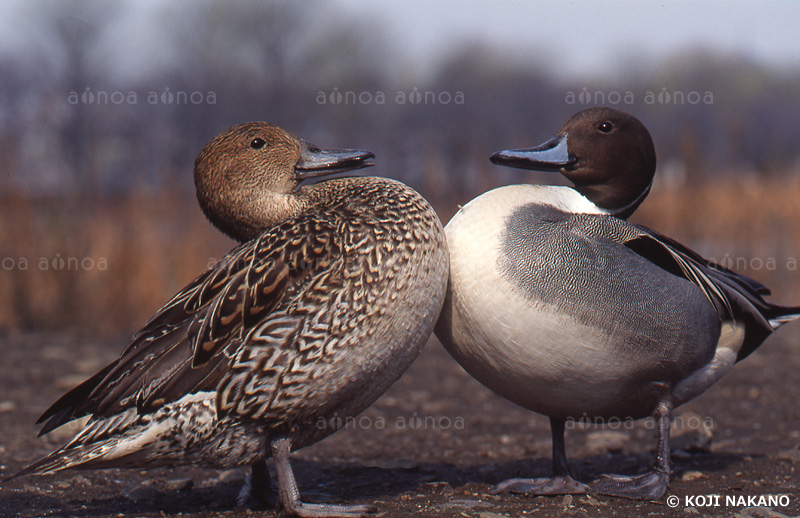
column 615, row 202
column 247, row 218
column 628, row 209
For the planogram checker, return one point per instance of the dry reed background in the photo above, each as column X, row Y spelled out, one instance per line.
column 97, row 226
column 100, row 268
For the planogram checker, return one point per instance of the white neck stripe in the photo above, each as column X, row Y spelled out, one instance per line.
column 568, row 200
column 635, row 202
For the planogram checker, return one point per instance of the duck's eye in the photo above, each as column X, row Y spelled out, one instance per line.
column 605, row 127
column 257, row 143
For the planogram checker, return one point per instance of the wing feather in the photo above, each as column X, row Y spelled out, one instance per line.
column 735, row 297
column 181, row 349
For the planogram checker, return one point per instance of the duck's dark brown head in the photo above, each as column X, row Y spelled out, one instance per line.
column 607, row 154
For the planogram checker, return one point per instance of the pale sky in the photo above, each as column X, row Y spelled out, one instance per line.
column 589, row 37
column 573, row 39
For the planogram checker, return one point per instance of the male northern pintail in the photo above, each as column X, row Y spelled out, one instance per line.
column 559, row 304
column 330, row 297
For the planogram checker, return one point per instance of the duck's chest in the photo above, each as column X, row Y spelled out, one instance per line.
column 522, row 290
column 507, row 248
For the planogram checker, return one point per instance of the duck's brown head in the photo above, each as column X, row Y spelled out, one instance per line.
column 247, row 175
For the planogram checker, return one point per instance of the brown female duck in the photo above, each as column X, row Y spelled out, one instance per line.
column 330, row 296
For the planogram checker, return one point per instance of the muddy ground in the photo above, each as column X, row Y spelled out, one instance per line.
column 432, row 446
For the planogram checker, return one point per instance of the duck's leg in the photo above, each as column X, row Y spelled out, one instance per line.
column 561, row 483
column 289, row 496
column 261, row 484
column 652, row 485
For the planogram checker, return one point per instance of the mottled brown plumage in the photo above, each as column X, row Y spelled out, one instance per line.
column 327, row 301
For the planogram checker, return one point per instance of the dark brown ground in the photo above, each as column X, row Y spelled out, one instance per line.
column 432, row 446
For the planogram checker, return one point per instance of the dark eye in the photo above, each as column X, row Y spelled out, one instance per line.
column 605, row 127
column 257, row 143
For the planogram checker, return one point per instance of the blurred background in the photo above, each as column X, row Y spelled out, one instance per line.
column 104, row 106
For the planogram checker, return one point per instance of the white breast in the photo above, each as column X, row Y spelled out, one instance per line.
column 522, row 349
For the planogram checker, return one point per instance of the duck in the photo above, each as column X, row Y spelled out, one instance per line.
column 329, row 297
column 561, row 305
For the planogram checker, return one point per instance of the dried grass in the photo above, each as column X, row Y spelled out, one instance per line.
column 102, row 268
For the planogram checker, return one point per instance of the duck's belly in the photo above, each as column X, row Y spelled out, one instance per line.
column 567, row 346
column 530, row 358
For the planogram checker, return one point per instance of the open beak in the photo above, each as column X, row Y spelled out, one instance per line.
column 321, row 162
column 552, row 155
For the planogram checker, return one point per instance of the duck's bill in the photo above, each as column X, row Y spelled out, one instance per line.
column 315, row 161
column 552, row 155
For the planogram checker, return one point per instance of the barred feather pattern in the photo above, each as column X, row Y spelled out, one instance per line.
column 288, row 335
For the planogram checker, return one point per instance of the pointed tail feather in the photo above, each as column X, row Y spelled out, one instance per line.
column 56, row 461
column 119, row 451
column 783, row 315
column 97, row 443
column 131, row 438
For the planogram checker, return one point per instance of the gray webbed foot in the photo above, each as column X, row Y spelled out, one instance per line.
column 560, row 485
column 650, row 486
column 305, row 510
